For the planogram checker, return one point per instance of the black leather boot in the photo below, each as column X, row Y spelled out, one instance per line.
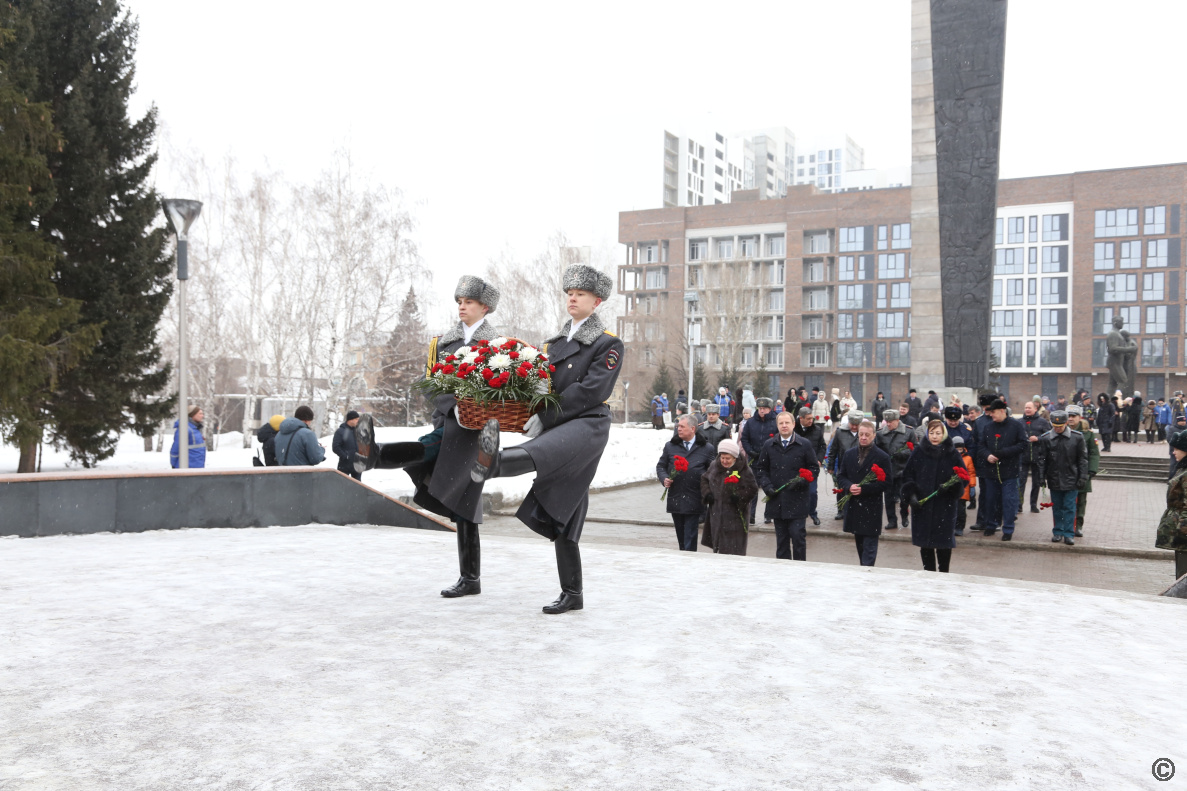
column 568, row 567
column 493, row 463
column 469, row 560
column 364, row 437
column 395, row 455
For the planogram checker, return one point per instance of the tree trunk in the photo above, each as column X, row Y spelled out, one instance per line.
column 28, row 462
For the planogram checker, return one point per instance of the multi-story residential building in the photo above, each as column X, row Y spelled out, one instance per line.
column 815, row 288
column 700, row 171
column 826, row 162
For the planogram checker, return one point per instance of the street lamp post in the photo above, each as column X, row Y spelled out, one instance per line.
column 690, row 298
column 626, row 402
column 181, row 214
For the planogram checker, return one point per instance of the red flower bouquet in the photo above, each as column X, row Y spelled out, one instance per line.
column 679, row 465
column 804, row 473
column 876, row 473
column 961, row 474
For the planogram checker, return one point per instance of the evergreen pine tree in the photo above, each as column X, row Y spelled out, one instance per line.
column 663, row 384
column 700, row 382
column 404, row 365
column 762, row 383
column 106, row 221
column 34, row 347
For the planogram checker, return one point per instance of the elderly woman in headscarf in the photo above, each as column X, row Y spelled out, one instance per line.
column 928, row 476
column 727, row 487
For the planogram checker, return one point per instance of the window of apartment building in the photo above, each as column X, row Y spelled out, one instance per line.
column 816, row 356
column 999, row 229
column 747, row 356
column 657, row 277
column 1156, row 319
column 1033, row 229
column 814, row 272
column 1156, row 252
column 852, row 297
column 1032, row 260
column 717, row 187
column 1030, row 354
column 775, row 273
column 852, row 355
column 814, row 328
column 900, row 295
column 851, row 239
column 749, row 246
column 1007, row 323
column 1055, row 258
column 1015, row 288
column 899, row 353
column 1031, row 320
column 800, row 172
column 1016, row 230
column 698, row 250
column 1013, row 357
column 649, row 253
column 845, row 325
column 776, row 245
column 775, row 357
column 1054, row 290
column 818, row 299
column 890, row 325
column 811, row 171
column 892, row 265
column 1054, row 227
column 717, row 169
column 1116, row 222
column 1102, row 319
column 997, row 292
column 1054, row 322
column 880, row 358
column 1008, row 261
column 1103, row 255
column 900, row 236
column 1053, row 354
column 1131, row 255
column 695, row 277
column 773, row 328
column 1152, row 353
column 1154, row 220
column 775, row 300
column 1114, row 288
column 883, row 243
column 1153, row 286
column 816, row 243
column 725, row 248
column 1100, row 352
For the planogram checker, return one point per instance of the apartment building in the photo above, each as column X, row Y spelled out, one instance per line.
column 814, row 288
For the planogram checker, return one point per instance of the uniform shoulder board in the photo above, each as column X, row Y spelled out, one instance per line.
column 611, row 334
column 432, row 358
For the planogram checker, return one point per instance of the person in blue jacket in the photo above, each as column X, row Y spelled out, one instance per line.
column 197, row 442
column 296, row 444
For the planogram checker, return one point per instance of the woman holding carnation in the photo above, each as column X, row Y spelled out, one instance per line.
column 933, row 485
column 727, row 487
column 864, row 475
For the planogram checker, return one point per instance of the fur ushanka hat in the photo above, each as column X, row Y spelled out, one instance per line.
column 586, row 278
column 472, row 287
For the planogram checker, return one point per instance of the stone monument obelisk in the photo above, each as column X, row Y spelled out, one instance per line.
column 957, row 60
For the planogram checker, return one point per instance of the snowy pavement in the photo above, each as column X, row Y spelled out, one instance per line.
column 323, row 658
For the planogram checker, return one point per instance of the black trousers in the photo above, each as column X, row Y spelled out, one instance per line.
column 686, row 530
column 892, row 495
column 1031, row 471
column 931, row 556
column 791, row 531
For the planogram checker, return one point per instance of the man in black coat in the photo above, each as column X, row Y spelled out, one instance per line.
column 1000, row 446
column 758, row 429
column 892, row 440
column 904, row 416
column 714, row 429
column 808, row 428
column 844, row 438
column 863, row 512
column 266, row 434
column 345, row 446
column 879, row 405
column 1028, row 467
column 1061, row 459
column 684, row 488
column 778, row 474
column 914, row 406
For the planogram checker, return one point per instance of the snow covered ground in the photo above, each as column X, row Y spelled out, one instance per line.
column 630, row 456
column 323, row 658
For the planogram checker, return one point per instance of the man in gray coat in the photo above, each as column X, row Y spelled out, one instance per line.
column 565, row 442
column 892, row 440
column 714, row 429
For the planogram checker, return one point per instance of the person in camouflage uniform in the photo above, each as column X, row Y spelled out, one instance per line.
column 1172, row 527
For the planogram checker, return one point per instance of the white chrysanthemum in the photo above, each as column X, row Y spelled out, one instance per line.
column 498, row 341
column 529, row 353
column 500, row 361
column 469, row 357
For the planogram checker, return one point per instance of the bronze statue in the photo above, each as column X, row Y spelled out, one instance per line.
column 1122, row 359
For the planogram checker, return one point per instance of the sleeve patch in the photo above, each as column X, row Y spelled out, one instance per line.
column 612, row 359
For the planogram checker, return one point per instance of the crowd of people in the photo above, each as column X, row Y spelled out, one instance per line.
column 922, row 466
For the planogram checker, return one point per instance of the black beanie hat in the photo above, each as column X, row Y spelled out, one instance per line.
column 303, row 413
column 1178, row 441
column 351, row 415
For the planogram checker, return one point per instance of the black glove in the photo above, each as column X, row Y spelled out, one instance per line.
column 769, row 491
column 1092, row 475
column 797, row 484
column 950, row 485
column 913, row 501
column 709, row 498
column 1082, row 484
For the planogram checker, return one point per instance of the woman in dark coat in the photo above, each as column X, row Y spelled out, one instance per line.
column 863, row 514
column 728, row 503
column 684, row 488
column 1106, row 415
column 1133, row 418
column 933, row 524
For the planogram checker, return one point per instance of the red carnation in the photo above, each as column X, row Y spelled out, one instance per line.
column 496, row 382
column 961, row 473
column 437, row 367
column 807, row 475
column 484, row 343
column 487, row 374
column 542, row 373
column 552, row 369
column 473, row 348
column 910, row 446
column 513, row 355
column 838, row 491
column 450, row 358
column 447, row 369
column 680, row 463
column 879, row 473
column 998, row 436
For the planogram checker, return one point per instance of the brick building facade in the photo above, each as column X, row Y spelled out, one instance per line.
column 815, row 288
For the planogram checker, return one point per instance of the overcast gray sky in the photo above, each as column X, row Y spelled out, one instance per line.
column 503, row 122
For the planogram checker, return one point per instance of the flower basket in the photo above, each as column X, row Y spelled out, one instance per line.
column 505, row 380
column 511, row 414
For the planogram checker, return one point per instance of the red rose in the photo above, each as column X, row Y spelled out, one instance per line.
column 680, row 463
column 838, row 491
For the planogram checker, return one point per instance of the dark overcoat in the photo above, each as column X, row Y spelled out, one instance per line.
column 567, row 453
column 776, row 466
column 726, row 528
column 815, row 436
column 863, row 514
column 444, row 486
column 345, row 446
column 756, row 432
column 684, row 495
column 1106, row 418
column 1007, row 442
column 933, row 524
column 714, row 433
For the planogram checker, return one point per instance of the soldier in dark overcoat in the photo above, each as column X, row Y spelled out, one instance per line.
column 714, row 429
column 863, row 512
column 565, row 442
column 779, row 463
column 440, row 463
column 933, row 524
column 684, row 490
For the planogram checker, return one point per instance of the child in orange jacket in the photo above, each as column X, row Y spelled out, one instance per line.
column 967, row 458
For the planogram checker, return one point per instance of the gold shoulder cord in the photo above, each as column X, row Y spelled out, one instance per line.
column 432, row 355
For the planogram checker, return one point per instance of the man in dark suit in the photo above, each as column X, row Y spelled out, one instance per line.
column 914, row 406
column 778, row 474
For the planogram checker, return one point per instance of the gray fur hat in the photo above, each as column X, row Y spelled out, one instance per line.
column 586, row 278
column 472, row 287
column 891, row 414
column 712, row 409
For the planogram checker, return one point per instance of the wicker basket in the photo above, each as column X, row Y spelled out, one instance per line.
column 511, row 414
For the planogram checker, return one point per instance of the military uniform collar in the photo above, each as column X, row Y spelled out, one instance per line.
column 485, row 332
column 587, row 333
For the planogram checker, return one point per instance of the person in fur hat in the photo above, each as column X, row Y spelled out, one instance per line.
column 565, row 442
column 439, row 463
